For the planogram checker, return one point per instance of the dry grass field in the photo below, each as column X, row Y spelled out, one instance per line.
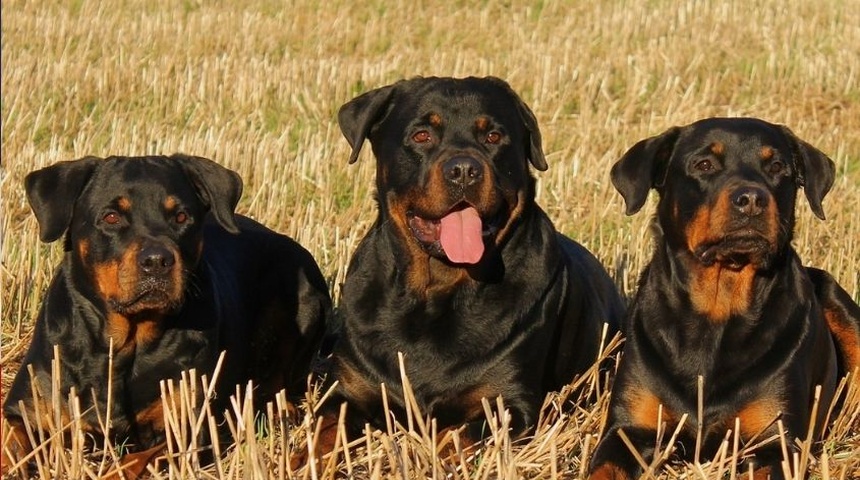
column 256, row 84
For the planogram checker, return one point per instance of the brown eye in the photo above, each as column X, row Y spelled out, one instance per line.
column 494, row 137
column 776, row 167
column 181, row 217
column 421, row 136
column 704, row 166
column 111, row 218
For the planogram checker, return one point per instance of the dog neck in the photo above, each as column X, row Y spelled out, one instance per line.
column 129, row 333
column 716, row 291
column 719, row 292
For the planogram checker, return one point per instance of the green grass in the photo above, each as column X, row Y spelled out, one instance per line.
column 255, row 85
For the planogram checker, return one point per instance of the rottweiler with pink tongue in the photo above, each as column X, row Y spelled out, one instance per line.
column 462, row 271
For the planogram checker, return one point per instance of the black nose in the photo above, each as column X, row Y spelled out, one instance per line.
column 463, row 171
column 155, row 260
column 750, row 201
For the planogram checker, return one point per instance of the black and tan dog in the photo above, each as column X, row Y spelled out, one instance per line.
column 725, row 295
column 462, row 272
column 156, row 264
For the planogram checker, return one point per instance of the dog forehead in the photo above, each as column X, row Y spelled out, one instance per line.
column 146, row 180
column 456, row 99
column 733, row 135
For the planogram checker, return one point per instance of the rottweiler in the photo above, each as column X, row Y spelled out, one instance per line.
column 159, row 269
column 726, row 297
column 462, row 271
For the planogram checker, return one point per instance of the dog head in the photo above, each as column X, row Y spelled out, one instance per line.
column 452, row 161
column 133, row 224
column 727, row 187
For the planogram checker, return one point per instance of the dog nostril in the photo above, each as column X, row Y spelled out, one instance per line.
column 749, row 200
column 462, row 171
column 155, row 259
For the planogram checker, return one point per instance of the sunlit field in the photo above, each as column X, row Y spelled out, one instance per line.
column 255, row 86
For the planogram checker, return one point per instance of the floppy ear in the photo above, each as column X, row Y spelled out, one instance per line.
column 536, row 156
column 53, row 191
column 642, row 167
column 815, row 171
column 358, row 116
column 219, row 188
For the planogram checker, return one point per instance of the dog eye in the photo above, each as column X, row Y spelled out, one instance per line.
column 775, row 167
column 421, row 136
column 111, row 218
column 494, row 137
column 704, row 165
column 180, row 217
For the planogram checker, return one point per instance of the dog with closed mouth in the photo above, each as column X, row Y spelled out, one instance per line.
column 462, row 272
column 159, row 269
column 725, row 297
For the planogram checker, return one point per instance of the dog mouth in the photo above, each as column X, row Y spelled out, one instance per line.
column 151, row 295
column 736, row 250
column 459, row 235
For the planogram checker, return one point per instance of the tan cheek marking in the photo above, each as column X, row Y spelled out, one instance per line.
column 488, row 193
column 772, row 218
column 116, row 279
column 697, row 230
column 513, row 216
column 418, row 274
column 709, row 222
column 107, row 279
column 176, row 273
column 722, row 213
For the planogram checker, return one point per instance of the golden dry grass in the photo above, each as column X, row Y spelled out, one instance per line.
column 255, row 85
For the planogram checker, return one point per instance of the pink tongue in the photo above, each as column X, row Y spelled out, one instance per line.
column 460, row 236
